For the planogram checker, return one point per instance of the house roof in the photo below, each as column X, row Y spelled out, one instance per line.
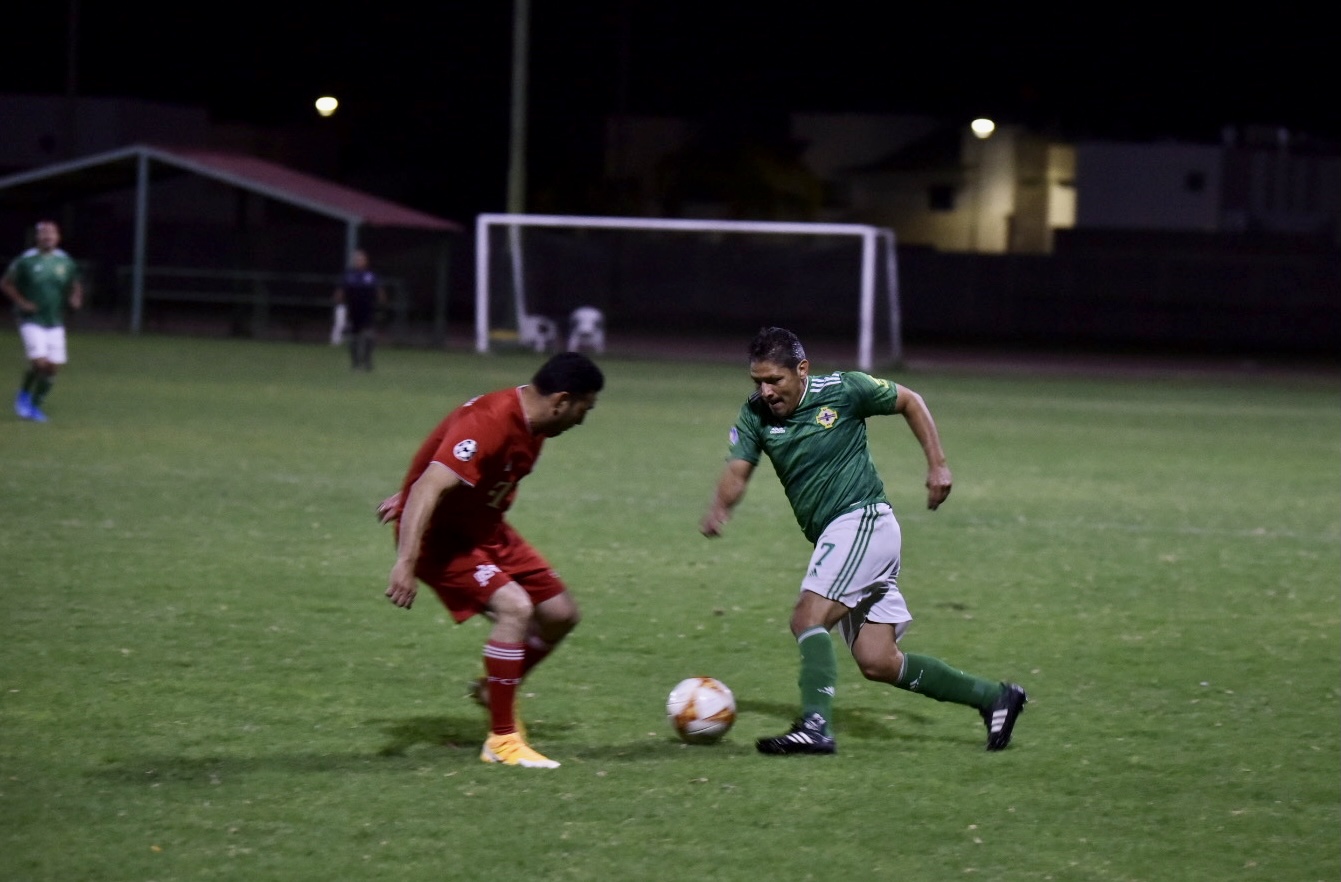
column 117, row 169
column 937, row 151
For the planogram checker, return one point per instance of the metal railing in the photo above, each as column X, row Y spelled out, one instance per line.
column 253, row 301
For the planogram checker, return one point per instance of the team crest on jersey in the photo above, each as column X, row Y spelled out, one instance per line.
column 826, row 417
column 465, row 450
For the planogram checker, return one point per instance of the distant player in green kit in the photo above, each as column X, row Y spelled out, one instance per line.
column 40, row 281
column 813, row 430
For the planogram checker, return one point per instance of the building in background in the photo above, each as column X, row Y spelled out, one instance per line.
column 1021, row 237
column 939, row 185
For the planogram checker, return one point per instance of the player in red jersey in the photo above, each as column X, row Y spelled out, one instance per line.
column 452, row 536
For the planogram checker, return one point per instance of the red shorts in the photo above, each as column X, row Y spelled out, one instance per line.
column 465, row 581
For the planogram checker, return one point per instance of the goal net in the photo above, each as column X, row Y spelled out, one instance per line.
column 685, row 280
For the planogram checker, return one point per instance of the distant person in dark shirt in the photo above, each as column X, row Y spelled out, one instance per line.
column 361, row 294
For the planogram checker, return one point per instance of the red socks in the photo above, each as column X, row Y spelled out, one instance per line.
column 503, row 665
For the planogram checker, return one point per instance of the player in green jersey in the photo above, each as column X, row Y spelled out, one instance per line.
column 813, row 430
column 40, row 282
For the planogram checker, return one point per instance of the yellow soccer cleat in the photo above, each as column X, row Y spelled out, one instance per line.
column 512, row 750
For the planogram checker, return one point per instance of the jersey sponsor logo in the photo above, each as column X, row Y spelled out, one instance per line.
column 465, row 450
column 827, row 417
column 777, row 430
column 485, row 572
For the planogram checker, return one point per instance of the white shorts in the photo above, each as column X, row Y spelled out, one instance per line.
column 856, row 562
column 40, row 342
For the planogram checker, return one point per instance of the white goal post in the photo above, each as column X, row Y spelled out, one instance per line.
column 509, row 306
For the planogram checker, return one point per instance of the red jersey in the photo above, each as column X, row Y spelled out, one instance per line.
column 487, row 442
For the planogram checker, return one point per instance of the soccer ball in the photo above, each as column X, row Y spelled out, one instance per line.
column 701, row 710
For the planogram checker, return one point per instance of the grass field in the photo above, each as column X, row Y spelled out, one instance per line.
column 201, row 680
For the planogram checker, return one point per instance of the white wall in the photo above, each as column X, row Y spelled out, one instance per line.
column 1146, row 186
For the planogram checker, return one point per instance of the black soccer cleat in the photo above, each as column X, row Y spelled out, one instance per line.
column 805, row 736
column 1000, row 717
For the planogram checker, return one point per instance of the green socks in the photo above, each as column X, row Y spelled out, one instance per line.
column 40, row 388
column 37, row 385
column 935, row 679
column 819, row 673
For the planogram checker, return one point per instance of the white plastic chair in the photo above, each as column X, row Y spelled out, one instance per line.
column 339, row 324
column 537, row 332
column 586, row 327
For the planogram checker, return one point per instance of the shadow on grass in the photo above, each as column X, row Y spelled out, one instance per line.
column 459, row 739
column 895, row 723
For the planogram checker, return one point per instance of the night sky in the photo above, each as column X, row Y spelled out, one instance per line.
column 430, row 89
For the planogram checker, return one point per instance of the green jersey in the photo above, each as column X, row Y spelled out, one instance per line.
column 46, row 280
column 820, row 452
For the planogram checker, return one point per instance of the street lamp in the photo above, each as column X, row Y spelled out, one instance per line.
column 982, row 129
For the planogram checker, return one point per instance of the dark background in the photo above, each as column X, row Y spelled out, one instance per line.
column 425, row 92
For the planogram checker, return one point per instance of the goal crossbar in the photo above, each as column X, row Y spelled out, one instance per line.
column 872, row 240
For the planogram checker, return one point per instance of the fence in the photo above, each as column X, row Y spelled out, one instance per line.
column 251, row 303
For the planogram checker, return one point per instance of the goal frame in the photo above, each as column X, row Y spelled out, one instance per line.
column 874, row 241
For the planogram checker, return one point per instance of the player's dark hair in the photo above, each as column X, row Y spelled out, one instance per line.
column 570, row 372
column 777, row 345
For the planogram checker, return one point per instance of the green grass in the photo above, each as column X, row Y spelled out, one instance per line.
column 201, row 679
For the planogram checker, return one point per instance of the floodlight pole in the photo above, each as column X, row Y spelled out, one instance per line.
column 141, row 237
column 517, row 154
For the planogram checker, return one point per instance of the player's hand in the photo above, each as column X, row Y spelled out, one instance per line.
column 938, row 486
column 401, row 585
column 712, row 523
column 388, row 509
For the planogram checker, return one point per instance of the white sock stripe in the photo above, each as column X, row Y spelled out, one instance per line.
column 806, row 635
column 492, row 651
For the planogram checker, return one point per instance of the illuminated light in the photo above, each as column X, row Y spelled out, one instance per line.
column 326, row 105
column 982, row 127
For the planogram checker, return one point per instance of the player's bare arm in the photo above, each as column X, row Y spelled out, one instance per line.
column 914, row 409
column 76, row 294
column 730, row 488
column 425, row 496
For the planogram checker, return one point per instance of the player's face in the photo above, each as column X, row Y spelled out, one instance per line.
column 780, row 387
column 569, row 411
column 48, row 236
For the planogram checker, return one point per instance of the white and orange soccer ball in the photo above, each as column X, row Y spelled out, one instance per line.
column 701, row 710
